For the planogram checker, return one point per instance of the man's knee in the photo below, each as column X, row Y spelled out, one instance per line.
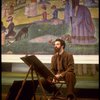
column 70, row 76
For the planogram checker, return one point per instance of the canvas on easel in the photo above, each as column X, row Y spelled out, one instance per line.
column 38, row 66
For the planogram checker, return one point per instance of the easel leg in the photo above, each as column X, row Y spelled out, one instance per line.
column 33, row 81
column 45, row 98
column 22, row 85
column 32, row 75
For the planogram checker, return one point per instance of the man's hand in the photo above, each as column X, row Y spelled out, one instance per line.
column 56, row 78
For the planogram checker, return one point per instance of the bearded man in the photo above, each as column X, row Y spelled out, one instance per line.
column 62, row 65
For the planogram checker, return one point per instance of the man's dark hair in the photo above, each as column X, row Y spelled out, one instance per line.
column 62, row 42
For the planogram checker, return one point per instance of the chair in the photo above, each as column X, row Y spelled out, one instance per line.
column 59, row 95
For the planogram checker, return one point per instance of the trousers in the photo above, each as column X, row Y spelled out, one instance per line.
column 70, row 80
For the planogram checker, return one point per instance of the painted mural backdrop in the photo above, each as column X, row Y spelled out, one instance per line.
column 31, row 26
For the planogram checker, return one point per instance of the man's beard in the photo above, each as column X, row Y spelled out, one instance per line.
column 56, row 50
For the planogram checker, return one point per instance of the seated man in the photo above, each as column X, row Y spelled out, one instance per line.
column 62, row 64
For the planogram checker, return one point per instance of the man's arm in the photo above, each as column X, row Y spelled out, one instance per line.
column 52, row 65
column 70, row 65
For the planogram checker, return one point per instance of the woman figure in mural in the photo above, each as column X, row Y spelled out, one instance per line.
column 27, row 10
column 44, row 14
column 11, row 9
column 82, row 27
column 31, row 9
column 55, row 20
column 5, row 10
column 55, row 12
column 10, row 28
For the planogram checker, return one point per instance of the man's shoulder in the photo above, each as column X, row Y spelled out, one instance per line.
column 53, row 56
column 67, row 53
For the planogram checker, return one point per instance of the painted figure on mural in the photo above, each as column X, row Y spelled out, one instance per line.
column 27, row 10
column 55, row 12
column 44, row 14
column 11, row 9
column 10, row 27
column 31, row 9
column 55, row 20
column 82, row 27
column 5, row 10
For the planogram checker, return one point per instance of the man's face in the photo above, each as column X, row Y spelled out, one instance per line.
column 57, row 46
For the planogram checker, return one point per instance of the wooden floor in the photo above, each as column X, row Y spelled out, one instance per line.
column 81, row 94
column 38, row 98
column 86, row 99
column 78, row 99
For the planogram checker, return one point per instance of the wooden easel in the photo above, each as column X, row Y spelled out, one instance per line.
column 31, row 70
column 40, row 69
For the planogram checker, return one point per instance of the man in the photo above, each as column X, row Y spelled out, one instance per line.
column 62, row 64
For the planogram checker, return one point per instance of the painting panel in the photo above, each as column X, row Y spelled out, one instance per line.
column 32, row 26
